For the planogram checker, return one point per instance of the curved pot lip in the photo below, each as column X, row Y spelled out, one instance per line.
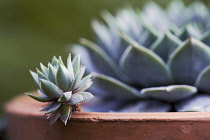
column 24, row 106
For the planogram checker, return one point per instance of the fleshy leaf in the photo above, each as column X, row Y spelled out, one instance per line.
column 41, row 75
column 93, row 55
column 147, row 106
column 35, row 78
column 199, row 103
column 54, row 117
column 189, row 31
column 86, row 96
column 165, row 45
column 63, row 78
column 78, row 77
column 172, row 93
column 38, row 98
column 82, row 82
column 50, row 89
column 65, row 111
column 70, row 66
column 203, row 80
column 44, row 69
column 65, row 97
column 75, row 99
column 54, row 61
column 52, row 74
column 143, row 66
column 205, row 38
column 55, row 106
column 109, row 87
column 188, row 60
column 76, row 64
column 47, row 107
column 86, row 86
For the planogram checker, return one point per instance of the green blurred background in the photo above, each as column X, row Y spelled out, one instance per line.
column 32, row 31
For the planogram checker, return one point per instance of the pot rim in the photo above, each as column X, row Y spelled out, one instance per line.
column 24, row 106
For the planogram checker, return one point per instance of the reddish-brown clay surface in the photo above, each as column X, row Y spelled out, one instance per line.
column 26, row 122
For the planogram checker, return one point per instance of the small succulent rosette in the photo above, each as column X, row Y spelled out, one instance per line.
column 63, row 87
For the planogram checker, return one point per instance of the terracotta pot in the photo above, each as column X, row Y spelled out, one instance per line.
column 26, row 122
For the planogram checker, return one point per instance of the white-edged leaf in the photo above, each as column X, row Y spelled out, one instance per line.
column 203, row 80
column 109, row 87
column 52, row 73
column 54, row 117
column 65, row 111
column 70, row 67
column 55, row 106
column 64, row 79
column 50, row 89
column 199, row 103
column 171, row 93
column 35, row 78
column 76, row 64
column 38, row 98
column 75, row 99
column 188, row 60
column 86, row 96
column 144, row 67
column 65, row 96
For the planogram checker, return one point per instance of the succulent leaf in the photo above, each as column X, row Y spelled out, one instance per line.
column 70, row 67
column 63, row 78
column 203, row 80
column 65, row 97
column 41, row 75
column 55, row 106
column 65, row 112
column 143, row 66
column 38, row 98
column 165, row 45
column 97, row 56
column 76, row 64
column 81, row 83
column 199, row 103
column 35, row 78
column 147, row 106
column 75, row 99
column 109, row 87
column 47, row 107
column 50, row 89
column 52, row 73
column 54, row 61
column 173, row 93
column 54, row 117
column 188, row 60
column 86, row 96
column 44, row 69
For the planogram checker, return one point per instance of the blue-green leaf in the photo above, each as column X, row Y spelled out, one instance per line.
column 54, row 117
column 54, row 62
column 65, row 97
column 64, row 79
column 50, row 89
column 55, row 106
column 203, row 80
column 76, row 64
column 65, row 111
column 41, row 75
column 86, row 96
column 44, row 69
column 165, row 45
column 75, row 99
column 199, row 103
column 144, row 67
column 172, row 93
column 78, row 77
column 188, row 60
column 147, row 106
column 79, row 85
column 112, row 88
column 35, row 78
column 38, row 98
column 52, row 74
column 94, row 55
column 47, row 107
column 70, row 66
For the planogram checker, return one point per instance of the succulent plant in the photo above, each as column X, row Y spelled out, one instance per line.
column 150, row 61
column 63, row 87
